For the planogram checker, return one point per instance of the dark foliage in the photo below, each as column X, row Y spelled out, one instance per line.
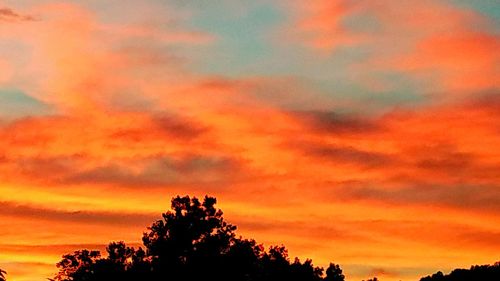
column 2, row 275
column 191, row 242
column 476, row 272
column 194, row 242
column 334, row 273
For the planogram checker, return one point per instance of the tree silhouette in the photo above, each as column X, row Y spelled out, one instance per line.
column 2, row 275
column 334, row 273
column 476, row 272
column 192, row 241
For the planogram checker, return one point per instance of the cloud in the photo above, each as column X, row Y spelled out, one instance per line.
column 169, row 126
column 461, row 63
column 269, row 164
column 321, row 25
column 12, row 209
column 160, row 172
column 54, row 136
column 431, row 146
column 9, row 15
column 152, row 150
column 74, row 50
column 335, row 123
column 26, row 270
column 5, row 72
column 474, row 198
column 344, row 155
column 379, row 271
column 446, row 51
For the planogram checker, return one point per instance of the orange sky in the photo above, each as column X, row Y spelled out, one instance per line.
column 359, row 133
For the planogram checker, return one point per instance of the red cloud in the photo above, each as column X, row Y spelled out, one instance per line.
column 322, row 26
column 448, row 50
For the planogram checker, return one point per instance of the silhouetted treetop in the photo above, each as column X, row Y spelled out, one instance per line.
column 476, row 272
column 334, row 273
column 192, row 241
column 190, row 227
column 2, row 275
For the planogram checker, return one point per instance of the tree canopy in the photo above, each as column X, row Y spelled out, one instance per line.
column 2, row 275
column 192, row 241
column 476, row 272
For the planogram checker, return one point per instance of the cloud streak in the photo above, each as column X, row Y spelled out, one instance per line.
column 11, row 209
column 9, row 15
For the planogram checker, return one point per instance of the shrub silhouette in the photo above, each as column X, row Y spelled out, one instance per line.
column 191, row 242
column 476, row 272
column 2, row 275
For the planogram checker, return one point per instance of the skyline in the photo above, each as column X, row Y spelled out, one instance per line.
column 357, row 132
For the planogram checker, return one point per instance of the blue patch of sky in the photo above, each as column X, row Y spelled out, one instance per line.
column 490, row 8
column 15, row 104
column 242, row 37
column 248, row 44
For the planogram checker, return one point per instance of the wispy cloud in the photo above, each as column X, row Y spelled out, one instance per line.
column 9, row 15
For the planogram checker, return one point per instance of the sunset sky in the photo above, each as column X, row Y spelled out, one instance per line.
column 366, row 133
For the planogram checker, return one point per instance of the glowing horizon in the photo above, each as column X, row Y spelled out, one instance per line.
column 362, row 133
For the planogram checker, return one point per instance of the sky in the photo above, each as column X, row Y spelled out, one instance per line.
column 364, row 133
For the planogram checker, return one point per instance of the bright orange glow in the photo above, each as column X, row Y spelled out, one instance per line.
column 397, row 192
